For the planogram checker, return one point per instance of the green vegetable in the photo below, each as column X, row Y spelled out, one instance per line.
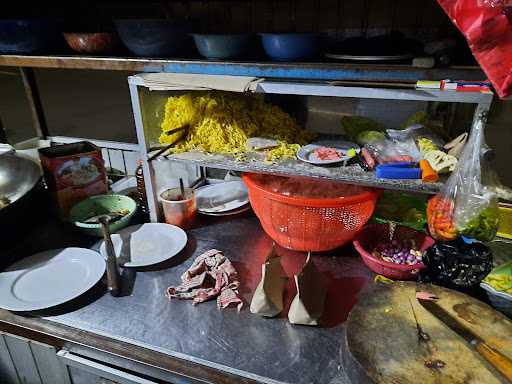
column 484, row 226
column 401, row 208
column 367, row 137
column 354, row 125
column 419, row 117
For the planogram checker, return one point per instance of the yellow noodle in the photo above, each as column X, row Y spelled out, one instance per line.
column 222, row 122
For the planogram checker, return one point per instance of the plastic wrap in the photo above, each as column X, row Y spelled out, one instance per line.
column 390, row 151
column 467, row 204
column 486, row 24
column 414, row 132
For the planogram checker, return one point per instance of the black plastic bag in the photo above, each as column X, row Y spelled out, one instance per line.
column 456, row 264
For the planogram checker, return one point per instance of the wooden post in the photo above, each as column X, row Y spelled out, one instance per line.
column 34, row 101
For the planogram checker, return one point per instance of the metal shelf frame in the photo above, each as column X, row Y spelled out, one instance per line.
column 281, row 70
column 348, row 174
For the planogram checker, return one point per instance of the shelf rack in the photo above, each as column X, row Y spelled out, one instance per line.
column 348, row 174
column 301, row 70
column 320, row 71
column 313, row 79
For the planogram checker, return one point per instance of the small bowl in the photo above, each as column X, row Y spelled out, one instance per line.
column 290, row 46
column 502, row 301
column 101, row 42
column 152, row 37
column 27, row 36
column 228, row 46
column 371, row 235
column 102, row 204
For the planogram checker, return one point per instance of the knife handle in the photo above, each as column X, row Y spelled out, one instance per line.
column 502, row 363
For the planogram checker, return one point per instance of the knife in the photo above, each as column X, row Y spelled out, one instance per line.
column 502, row 363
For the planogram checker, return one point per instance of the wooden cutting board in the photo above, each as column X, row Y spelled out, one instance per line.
column 382, row 343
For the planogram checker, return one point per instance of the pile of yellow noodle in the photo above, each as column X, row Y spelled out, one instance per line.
column 221, row 122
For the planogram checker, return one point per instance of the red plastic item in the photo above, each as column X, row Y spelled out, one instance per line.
column 309, row 224
column 371, row 235
column 486, row 24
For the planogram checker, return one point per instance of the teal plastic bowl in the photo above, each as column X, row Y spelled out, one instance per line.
column 102, row 204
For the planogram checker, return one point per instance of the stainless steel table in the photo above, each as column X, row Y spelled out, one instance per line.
column 238, row 343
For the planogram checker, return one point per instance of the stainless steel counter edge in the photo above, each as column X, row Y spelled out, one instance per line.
column 101, row 347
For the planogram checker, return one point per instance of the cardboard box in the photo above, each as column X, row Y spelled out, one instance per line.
column 73, row 172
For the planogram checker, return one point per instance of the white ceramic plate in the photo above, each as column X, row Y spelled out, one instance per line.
column 221, row 197
column 236, row 211
column 49, row 278
column 307, row 152
column 147, row 244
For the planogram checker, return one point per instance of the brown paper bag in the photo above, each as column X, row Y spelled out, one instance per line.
column 308, row 305
column 268, row 297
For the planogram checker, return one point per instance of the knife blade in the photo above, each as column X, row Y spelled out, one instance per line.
column 449, row 320
column 499, row 361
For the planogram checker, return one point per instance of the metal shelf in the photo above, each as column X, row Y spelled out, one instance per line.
column 351, row 174
column 318, row 89
column 310, row 71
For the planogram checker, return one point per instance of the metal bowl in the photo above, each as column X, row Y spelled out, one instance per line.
column 99, row 42
column 18, row 176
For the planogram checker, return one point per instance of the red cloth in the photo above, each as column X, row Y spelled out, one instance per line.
column 486, row 24
column 211, row 275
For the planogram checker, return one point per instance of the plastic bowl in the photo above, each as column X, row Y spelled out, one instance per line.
column 227, row 46
column 152, row 37
column 28, row 36
column 290, row 46
column 500, row 300
column 99, row 42
column 102, row 204
column 371, row 235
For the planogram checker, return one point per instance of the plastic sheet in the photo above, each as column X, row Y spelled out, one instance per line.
column 486, row 24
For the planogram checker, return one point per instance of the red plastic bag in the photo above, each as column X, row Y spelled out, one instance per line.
column 487, row 26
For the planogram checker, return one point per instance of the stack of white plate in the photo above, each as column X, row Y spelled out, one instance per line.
column 222, row 199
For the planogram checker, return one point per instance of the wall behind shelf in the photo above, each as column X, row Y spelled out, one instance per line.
column 90, row 104
column 14, row 110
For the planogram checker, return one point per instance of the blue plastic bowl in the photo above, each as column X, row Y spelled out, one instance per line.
column 152, row 37
column 290, row 46
column 227, row 46
column 28, row 36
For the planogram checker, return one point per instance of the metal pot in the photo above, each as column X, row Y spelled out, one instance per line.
column 19, row 183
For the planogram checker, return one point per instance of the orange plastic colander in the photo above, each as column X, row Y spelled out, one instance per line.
column 309, row 224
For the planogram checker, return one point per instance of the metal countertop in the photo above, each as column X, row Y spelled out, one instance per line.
column 241, row 343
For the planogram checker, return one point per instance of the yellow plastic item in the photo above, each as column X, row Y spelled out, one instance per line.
column 505, row 224
column 382, row 279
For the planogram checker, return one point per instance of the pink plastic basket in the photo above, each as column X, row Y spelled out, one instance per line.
column 370, row 236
